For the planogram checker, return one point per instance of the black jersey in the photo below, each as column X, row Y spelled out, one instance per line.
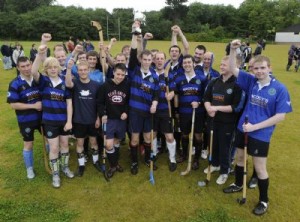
column 113, row 99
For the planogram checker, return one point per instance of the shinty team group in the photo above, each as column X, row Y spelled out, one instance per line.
column 135, row 94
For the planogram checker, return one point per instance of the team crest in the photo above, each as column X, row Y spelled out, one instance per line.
column 27, row 130
column 229, row 91
column 151, row 80
column 272, row 92
column 49, row 133
column 8, row 94
column 198, row 82
column 63, row 87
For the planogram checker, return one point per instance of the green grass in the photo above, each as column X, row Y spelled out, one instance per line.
column 133, row 198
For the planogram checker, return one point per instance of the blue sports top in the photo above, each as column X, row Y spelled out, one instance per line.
column 263, row 103
column 19, row 91
column 97, row 76
column 162, row 107
column 189, row 92
column 54, row 101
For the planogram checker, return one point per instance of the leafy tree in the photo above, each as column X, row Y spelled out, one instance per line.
column 23, row 6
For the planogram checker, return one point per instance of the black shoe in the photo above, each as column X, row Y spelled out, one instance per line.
column 134, row 169
column 260, row 208
column 97, row 165
column 172, row 166
column 232, row 189
column 148, row 164
column 80, row 171
column 111, row 172
column 252, row 183
column 195, row 165
column 181, row 159
column 119, row 168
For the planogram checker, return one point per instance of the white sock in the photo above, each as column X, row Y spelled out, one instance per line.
column 172, row 151
column 81, row 161
column 154, row 146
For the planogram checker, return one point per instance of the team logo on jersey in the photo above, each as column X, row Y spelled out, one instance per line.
column 117, row 99
column 198, row 82
column 229, row 91
column 8, row 94
column 85, row 92
column 63, row 87
column 151, row 80
column 27, row 130
column 272, row 92
column 288, row 102
column 49, row 133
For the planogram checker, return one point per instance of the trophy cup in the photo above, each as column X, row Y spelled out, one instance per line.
column 139, row 19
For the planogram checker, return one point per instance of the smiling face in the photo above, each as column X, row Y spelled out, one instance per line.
column 174, row 53
column 261, row 70
column 146, row 61
column 92, row 60
column 60, row 55
column 224, row 67
column 188, row 64
column 198, row 55
column 52, row 67
column 83, row 70
column 207, row 60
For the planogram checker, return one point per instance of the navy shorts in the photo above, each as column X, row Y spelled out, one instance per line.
column 84, row 130
column 186, row 123
column 52, row 132
column 163, row 124
column 139, row 123
column 255, row 147
column 115, row 128
column 28, row 131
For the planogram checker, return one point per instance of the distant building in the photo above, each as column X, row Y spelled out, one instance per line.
column 290, row 34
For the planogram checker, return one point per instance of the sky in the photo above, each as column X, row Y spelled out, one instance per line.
column 138, row 5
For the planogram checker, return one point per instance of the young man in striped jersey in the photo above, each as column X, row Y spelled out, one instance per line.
column 189, row 92
column 57, row 110
column 24, row 97
column 144, row 94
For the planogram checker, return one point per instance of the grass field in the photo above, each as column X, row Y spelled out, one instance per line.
column 133, row 198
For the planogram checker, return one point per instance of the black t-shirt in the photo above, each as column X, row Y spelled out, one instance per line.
column 85, row 102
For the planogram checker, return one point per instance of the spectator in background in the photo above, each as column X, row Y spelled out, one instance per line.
column 18, row 52
column 33, row 52
column 291, row 54
column 89, row 46
column 6, row 53
column 258, row 49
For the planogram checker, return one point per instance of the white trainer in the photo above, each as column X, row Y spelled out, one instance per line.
column 68, row 172
column 222, row 179
column 212, row 169
column 204, row 154
column 30, row 173
column 56, row 181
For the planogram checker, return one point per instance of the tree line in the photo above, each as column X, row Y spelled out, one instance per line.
column 254, row 19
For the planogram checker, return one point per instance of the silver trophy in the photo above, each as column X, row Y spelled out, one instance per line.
column 139, row 19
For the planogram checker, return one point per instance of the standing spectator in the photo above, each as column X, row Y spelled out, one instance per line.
column 89, row 46
column 33, row 52
column 291, row 54
column 258, row 49
column 18, row 52
column 5, row 51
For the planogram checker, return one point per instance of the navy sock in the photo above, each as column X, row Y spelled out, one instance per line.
column 263, row 186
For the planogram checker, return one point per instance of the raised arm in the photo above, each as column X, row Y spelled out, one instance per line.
column 41, row 56
column 174, row 36
column 68, row 80
column 232, row 57
column 178, row 32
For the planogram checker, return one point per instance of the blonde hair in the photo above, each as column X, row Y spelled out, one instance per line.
column 83, row 63
column 261, row 58
column 49, row 62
